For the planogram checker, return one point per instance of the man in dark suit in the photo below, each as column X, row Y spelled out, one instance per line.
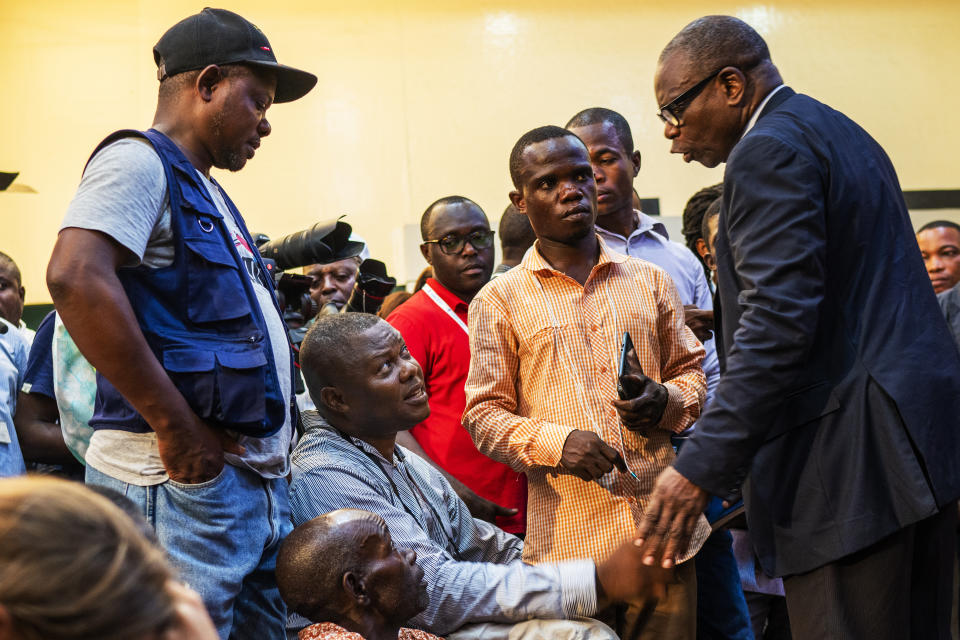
column 838, row 405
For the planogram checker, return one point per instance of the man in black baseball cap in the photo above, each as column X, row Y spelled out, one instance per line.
column 158, row 282
column 218, row 36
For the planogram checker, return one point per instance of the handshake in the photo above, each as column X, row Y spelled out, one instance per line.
column 623, row 577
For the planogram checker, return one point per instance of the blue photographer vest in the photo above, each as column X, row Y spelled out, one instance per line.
column 200, row 315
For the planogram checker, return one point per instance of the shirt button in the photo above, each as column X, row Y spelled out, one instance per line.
column 594, row 327
column 603, row 369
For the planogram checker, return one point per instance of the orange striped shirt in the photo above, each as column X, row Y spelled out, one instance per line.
column 544, row 357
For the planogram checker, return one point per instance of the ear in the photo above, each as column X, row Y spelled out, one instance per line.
column 517, row 199
column 734, row 84
column 23, row 293
column 333, row 400
column 207, row 81
column 702, row 249
column 710, row 261
column 635, row 159
column 425, row 252
column 355, row 588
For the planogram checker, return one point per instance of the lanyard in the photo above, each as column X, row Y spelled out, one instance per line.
column 418, row 494
column 440, row 302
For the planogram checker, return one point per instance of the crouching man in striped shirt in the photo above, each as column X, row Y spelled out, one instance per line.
column 367, row 388
column 542, row 392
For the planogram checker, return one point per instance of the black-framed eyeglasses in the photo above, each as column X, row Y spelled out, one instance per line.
column 672, row 112
column 452, row 244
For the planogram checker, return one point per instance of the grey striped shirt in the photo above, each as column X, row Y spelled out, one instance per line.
column 472, row 568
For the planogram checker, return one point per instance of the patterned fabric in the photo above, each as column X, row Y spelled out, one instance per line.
column 650, row 242
column 472, row 568
column 545, row 352
column 330, row 631
column 443, row 350
column 75, row 384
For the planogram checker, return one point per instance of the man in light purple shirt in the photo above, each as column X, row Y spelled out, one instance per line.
column 633, row 233
column 721, row 607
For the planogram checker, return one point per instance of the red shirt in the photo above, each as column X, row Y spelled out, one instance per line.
column 442, row 348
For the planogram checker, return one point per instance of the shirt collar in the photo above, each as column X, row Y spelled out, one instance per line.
column 447, row 296
column 533, row 261
column 756, row 114
column 649, row 224
column 645, row 224
column 312, row 420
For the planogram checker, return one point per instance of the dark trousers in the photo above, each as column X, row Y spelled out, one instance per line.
column 721, row 608
column 897, row 589
column 768, row 616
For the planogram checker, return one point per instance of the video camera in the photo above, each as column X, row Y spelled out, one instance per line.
column 323, row 243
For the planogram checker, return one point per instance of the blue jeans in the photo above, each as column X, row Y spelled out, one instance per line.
column 721, row 608
column 222, row 536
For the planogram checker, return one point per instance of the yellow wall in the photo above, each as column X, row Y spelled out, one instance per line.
column 417, row 100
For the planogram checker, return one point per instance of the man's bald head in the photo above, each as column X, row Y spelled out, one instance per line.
column 711, row 42
column 315, row 557
column 326, row 349
column 361, row 376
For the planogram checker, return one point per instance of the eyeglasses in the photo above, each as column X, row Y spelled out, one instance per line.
column 673, row 110
column 453, row 244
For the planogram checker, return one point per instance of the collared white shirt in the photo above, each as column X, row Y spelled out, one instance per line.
column 650, row 242
column 756, row 114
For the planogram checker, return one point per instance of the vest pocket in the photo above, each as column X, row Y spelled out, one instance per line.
column 226, row 388
column 241, row 381
column 215, row 289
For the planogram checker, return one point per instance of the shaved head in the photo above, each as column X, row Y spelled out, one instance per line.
column 540, row 134
column 711, row 42
column 599, row 115
column 316, row 555
column 325, row 351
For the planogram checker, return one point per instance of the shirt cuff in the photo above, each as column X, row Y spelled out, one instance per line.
column 672, row 419
column 549, row 444
column 578, row 588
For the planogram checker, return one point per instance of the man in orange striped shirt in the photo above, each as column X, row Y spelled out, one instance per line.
column 545, row 340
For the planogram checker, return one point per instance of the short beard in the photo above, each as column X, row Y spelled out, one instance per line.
column 223, row 156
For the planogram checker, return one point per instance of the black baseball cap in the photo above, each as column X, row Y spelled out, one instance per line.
column 218, row 36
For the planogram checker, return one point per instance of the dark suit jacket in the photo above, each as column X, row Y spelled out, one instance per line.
column 840, row 391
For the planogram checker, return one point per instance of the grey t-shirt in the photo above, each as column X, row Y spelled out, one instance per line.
column 123, row 194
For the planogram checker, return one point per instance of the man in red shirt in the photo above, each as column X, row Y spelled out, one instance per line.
column 458, row 244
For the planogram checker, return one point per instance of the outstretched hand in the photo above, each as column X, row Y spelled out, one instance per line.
column 670, row 518
column 624, row 578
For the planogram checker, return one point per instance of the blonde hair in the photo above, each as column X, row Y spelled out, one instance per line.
column 73, row 565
